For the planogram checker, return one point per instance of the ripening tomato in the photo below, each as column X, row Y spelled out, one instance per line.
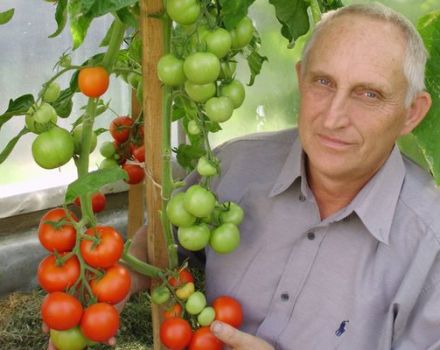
column 55, row 231
column 100, row 322
column 93, row 81
column 98, row 202
column 228, row 310
column 184, row 276
column 175, row 333
column 173, row 311
column 203, row 339
column 61, row 311
column 139, row 153
column 120, row 128
column 114, row 286
column 70, row 339
column 107, row 249
column 56, row 276
column 135, row 173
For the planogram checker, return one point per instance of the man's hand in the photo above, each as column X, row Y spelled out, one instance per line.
column 238, row 340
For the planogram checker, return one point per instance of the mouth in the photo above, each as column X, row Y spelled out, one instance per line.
column 333, row 142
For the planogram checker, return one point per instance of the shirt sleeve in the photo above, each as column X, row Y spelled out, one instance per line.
column 422, row 330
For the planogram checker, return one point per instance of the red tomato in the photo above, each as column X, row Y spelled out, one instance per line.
column 98, row 202
column 184, row 277
column 173, row 311
column 93, row 81
column 61, row 311
column 175, row 333
column 135, row 173
column 139, row 153
column 120, row 128
column 53, row 277
column 114, row 286
column 100, row 322
column 55, row 231
column 228, row 310
column 203, row 339
column 107, row 251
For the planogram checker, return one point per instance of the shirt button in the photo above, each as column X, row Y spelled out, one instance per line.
column 302, row 198
column 285, row 296
column 311, row 236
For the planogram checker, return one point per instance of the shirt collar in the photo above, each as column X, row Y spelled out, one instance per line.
column 292, row 169
column 376, row 203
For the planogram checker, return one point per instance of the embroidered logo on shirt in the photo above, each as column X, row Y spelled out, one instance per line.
column 342, row 328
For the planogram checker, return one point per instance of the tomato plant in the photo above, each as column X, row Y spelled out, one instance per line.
column 203, row 339
column 183, row 11
column 135, row 173
column 170, row 70
column 100, row 322
column 175, row 333
column 173, row 311
column 228, row 310
column 55, row 274
column 225, row 238
column 113, row 286
column 201, row 67
column 93, row 81
column 61, row 311
column 120, row 128
column 70, row 339
column 56, row 231
column 194, row 237
column 98, row 202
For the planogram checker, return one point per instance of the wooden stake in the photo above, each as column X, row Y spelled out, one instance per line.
column 153, row 49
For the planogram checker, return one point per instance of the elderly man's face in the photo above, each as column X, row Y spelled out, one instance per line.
column 352, row 98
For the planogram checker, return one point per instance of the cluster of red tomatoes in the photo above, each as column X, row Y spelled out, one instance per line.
column 186, row 309
column 127, row 148
column 83, row 280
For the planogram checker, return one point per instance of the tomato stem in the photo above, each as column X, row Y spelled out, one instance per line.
column 138, row 265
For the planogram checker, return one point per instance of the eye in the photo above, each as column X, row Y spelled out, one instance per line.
column 371, row 94
column 323, row 81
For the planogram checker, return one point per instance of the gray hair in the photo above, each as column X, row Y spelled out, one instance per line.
column 415, row 54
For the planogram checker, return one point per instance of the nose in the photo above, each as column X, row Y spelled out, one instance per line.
column 336, row 116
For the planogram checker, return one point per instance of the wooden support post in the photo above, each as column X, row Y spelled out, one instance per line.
column 153, row 49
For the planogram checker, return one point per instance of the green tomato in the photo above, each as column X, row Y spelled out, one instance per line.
column 207, row 316
column 205, row 167
column 107, row 149
column 219, row 109
column 235, row 91
column 176, row 212
column 195, row 237
column 200, row 92
column 70, row 339
column 225, row 238
column 233, row 215
column 183, row 11
column 77, row 139
column 199, row 201
column 170, row 70
column 160, row 295
column 227, row 70
column 201, row 67
column 45, row 113
column 35, row 127
column 108, row 163
column 52, row 92
column 53, row 148
column 196, row 303
column 219, row 42
column 242, row 34
column 193, row 128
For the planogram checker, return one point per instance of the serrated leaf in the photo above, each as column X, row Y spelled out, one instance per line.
column 93, row 181
column 79, row 21
column 11, row 144
column 19, row 106
column 60, row 17
column 292, row 15
column 100, row 8
column 128, row 18
column 6, row 16
column 188, row 155
column 428, row 132
column 233, row 11
column 254, row 59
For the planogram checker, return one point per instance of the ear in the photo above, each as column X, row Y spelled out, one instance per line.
column 416, row 112
column 298, row 66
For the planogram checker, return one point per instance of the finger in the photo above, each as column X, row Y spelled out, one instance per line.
column 45, row 328
column 230, row 335
column 51, row 346
column 111, row 341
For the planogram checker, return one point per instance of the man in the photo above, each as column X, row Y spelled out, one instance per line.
column 340, row 244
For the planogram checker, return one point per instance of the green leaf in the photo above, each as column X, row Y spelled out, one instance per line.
column 127, row 17
column 100, row 8
column 63, row 105
column 428, row 132
column 79, row 21
column 18, row 106
column 135, row 49
column 254, row 59
column 292, row 14
column 60, row 17
column 108, row 35
column 328, row 5
column 188, row 155
column 93, row 182
column 6, row 16
column 233, row 11
column 11, row 144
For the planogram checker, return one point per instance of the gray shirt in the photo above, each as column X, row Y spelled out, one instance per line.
column 365, row 278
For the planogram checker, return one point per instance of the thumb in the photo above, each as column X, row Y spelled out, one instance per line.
column 229, row 335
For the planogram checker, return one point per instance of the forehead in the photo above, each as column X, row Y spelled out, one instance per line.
column 359, row 45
